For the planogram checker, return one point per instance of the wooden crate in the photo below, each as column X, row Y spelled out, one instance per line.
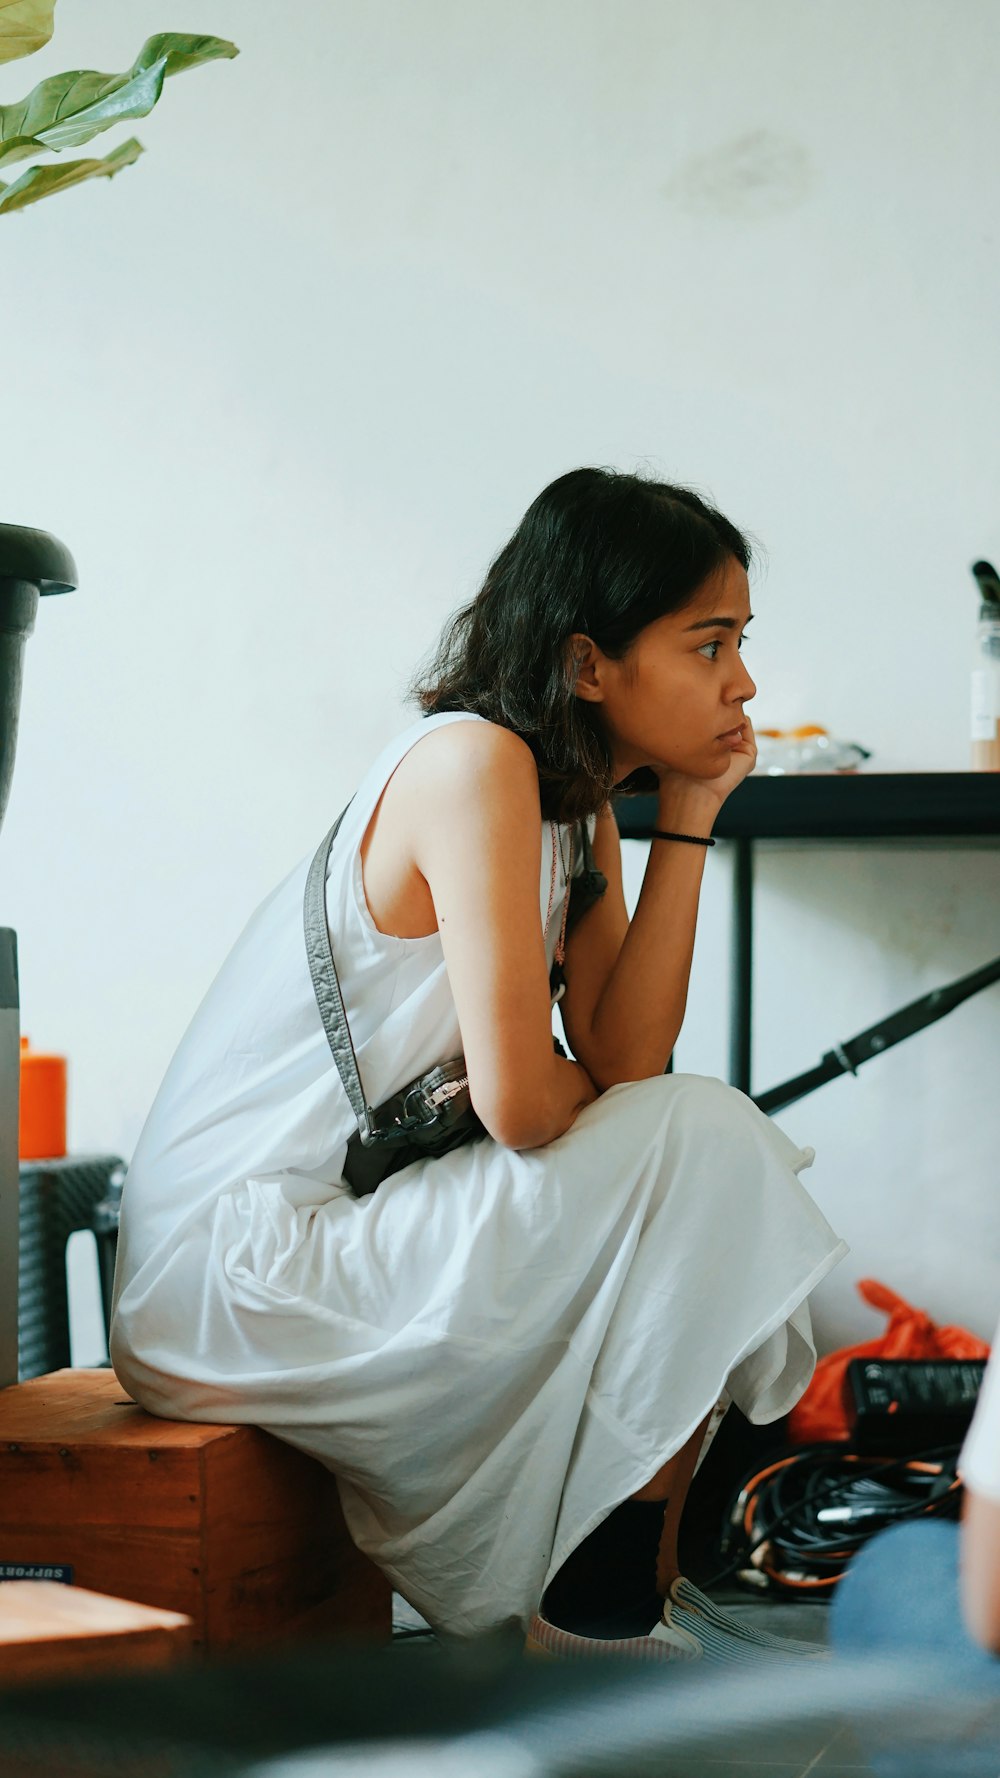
column 50, row 1631
column 226, row 1524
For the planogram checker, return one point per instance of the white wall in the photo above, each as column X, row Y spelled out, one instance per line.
column 285, row 386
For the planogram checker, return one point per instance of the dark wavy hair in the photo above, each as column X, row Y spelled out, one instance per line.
column 601, row 552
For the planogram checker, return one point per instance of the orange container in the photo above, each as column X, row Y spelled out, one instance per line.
column 42, row 1128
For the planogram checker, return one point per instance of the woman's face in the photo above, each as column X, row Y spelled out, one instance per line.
column 681, row 685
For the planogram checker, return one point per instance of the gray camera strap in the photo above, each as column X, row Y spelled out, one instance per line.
column 326, row 984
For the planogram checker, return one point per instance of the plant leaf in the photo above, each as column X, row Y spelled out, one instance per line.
column 25, row 25
column 63, row 112
column 42, row 182
column 182, row 51
column 68, row 109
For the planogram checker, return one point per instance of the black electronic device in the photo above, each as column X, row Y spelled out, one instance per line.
column 910, row 1404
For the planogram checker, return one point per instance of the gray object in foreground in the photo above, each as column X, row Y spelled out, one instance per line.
column 31, row 564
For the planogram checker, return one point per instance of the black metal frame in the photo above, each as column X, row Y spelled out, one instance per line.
column 830, row 806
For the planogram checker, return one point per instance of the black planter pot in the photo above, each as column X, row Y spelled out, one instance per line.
column 31, row 564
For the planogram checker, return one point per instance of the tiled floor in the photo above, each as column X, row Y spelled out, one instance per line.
column 822, row 1748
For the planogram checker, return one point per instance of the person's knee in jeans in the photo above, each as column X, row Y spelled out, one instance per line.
column 901, row 1592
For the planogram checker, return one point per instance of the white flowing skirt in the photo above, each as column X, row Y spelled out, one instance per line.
column 500, row 1345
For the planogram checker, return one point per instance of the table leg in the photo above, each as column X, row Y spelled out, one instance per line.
column 741, row 968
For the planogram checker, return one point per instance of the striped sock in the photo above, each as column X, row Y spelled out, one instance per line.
column 693, row 1610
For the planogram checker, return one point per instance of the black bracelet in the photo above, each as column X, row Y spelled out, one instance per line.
column 695, row 839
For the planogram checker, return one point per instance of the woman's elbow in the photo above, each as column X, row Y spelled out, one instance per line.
column 513, row 1125
column 528, row 1114
column 980, row 1570
column 982, row 1619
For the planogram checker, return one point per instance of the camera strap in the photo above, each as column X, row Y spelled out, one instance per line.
column 326, row 983
column 589, row 885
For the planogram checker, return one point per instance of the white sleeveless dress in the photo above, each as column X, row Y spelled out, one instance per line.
column 499, row 1345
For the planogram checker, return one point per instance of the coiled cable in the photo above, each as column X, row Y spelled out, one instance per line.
column 795, row 1524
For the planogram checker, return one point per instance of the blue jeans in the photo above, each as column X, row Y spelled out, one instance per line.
column 899, row 1599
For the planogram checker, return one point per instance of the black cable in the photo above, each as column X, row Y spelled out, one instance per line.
column 822, row 1553
column 854, row 1476
column 827, row 1550
column 801, row 1541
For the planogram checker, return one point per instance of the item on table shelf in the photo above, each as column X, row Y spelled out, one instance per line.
column 42, row 1121
column 985, row 712
column 810, row 748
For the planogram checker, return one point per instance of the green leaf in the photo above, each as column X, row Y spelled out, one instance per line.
column 25, row 25
column 42, row 182
column 182, row 51
column 68, row 109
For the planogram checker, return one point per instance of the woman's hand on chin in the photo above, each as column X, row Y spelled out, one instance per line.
column 743, row 758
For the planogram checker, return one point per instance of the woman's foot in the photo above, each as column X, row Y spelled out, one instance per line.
column 663, row 1642
column 690, row 1628
column 688, row 1602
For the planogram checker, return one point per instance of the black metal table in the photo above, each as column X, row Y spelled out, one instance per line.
column 822, row 806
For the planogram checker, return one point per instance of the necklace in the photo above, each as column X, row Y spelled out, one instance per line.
column 561, row 941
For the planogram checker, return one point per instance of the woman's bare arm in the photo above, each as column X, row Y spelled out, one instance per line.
column 477, row 842
column 627, row 981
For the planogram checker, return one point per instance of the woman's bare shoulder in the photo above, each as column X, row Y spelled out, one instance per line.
column 463, row 754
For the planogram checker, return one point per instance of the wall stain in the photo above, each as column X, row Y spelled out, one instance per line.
column 754, row 175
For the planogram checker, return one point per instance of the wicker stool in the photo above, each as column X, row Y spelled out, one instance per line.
column 57, row 1198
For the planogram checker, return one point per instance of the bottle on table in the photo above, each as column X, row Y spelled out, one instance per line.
column 985, row 712
column 42, row 1107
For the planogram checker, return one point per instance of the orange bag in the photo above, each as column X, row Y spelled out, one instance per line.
column 820, row 1414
